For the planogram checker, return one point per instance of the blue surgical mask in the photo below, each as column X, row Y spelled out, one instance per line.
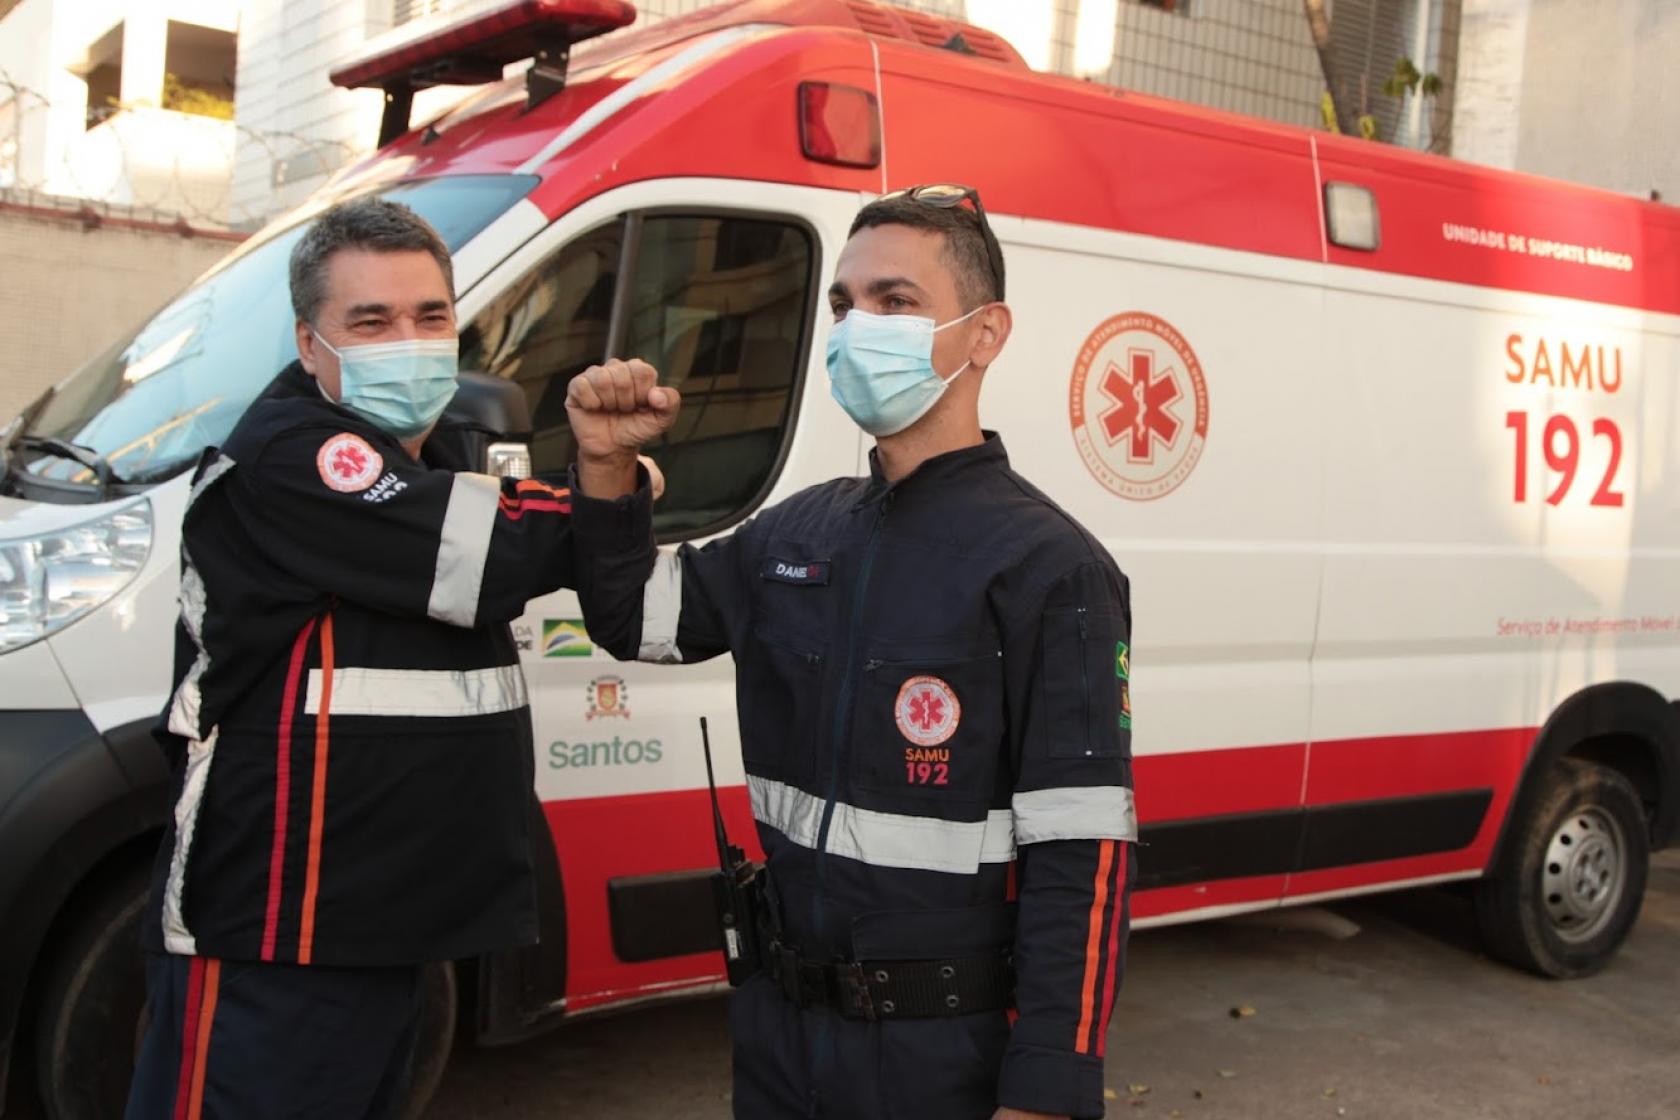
column 398, row 387
column 880, row 369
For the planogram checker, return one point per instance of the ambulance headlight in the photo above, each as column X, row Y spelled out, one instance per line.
column 49, row 581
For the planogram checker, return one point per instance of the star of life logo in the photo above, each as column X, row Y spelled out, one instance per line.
column 927, row 711
column 1138, row 405
column 348, row 463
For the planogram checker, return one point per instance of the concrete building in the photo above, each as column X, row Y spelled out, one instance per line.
column 1586, row 90
column 124, row 101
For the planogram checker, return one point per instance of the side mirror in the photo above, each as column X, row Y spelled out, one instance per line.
column 487, row 427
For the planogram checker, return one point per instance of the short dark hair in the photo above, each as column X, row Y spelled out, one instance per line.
column 372, row 223
column 965, row 242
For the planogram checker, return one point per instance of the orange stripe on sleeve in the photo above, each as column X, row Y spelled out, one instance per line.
column 318, row 798
column 531, row 485
column 201, row 1049
column 1093, row 948
column 1114, row 937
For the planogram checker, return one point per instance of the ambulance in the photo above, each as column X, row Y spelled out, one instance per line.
column 1389, row 446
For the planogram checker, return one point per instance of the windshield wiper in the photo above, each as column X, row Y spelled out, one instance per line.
column 75, row 453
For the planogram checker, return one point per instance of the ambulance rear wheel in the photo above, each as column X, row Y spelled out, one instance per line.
column 1570, row 884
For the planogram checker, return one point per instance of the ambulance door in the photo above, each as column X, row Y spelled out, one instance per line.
column 1167, row 396
column 722, row 301
column 1487, row 456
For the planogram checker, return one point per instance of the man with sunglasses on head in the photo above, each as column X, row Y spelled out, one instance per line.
column 932, row 674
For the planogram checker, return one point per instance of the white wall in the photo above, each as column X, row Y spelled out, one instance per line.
column 70, row 291
column 1587, row 90
column 146, row 156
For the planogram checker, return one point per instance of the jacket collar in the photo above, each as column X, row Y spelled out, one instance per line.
column 941, row 468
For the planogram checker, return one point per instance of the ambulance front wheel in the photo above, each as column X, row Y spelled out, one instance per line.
column 1569, row 886
column 91, row 1014
column 434, row 1038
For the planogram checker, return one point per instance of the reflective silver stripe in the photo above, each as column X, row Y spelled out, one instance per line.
column 419, row 692
column 884, row 839
column 661, row 608
column 177, row 938
column 188, row 702
column 465, row 546
column 216, row 470
column 1075, row 813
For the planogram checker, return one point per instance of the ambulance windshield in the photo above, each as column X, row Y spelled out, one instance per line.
column 150, row 404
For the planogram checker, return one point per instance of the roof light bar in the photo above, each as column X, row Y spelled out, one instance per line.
column 473, row 49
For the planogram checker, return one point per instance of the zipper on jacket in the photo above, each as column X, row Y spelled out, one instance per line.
column 843, row 704
column 1085, row 672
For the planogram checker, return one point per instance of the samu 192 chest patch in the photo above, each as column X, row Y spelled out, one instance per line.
column 805, row 573
column 927, row 711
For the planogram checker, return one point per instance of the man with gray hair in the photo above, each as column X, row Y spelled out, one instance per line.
column 349, row 724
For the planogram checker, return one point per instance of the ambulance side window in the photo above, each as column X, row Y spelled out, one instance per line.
column 719, row 304
column 547, row 328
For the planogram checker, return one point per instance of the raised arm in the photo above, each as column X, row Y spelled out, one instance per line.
column 641, row 602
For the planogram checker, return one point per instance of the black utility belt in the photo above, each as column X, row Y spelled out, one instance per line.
column 876, row 990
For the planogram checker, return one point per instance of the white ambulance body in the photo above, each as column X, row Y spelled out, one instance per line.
column 1386, row 444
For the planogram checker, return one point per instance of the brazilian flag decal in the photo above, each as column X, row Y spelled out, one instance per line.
column 566, row 637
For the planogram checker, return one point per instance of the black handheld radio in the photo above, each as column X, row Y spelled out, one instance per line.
column 738, row 887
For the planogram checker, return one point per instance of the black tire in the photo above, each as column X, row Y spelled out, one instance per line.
column 434, row 1038
column 1570, row 883
column 88, row 1019
column 93, row 1004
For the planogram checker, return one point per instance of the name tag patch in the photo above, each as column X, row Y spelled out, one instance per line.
column 806, row 573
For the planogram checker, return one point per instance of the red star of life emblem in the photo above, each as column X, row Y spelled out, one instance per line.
column 1140, row 405
column 926, row 711
column 348, row 463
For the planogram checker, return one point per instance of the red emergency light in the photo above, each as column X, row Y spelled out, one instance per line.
column 473, row 49
column 839, row 124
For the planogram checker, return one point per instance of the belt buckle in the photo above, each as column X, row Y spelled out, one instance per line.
column 854, row 991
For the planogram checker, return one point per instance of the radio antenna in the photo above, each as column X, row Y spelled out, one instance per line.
column 718, row 832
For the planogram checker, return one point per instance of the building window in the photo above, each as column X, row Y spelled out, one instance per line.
column 198, row 69
column 101, row 69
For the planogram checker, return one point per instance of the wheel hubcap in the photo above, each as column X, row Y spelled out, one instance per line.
column 1584, row 873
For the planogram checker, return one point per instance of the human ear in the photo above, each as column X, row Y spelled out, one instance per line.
column 306, row 347
column 995, row 323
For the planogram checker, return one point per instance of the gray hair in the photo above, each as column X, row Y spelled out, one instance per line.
column 372, row 223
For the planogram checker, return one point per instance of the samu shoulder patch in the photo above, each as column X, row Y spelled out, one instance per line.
column 348, row 463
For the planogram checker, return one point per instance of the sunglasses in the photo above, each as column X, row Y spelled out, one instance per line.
column 949, row 196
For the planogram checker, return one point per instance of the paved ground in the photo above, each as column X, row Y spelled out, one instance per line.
column 1403, row 1018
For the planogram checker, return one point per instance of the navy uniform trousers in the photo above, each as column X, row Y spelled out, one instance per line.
column 239, row 1040
column 793, row 1062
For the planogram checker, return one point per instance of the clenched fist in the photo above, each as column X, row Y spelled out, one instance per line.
column 616, row 409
